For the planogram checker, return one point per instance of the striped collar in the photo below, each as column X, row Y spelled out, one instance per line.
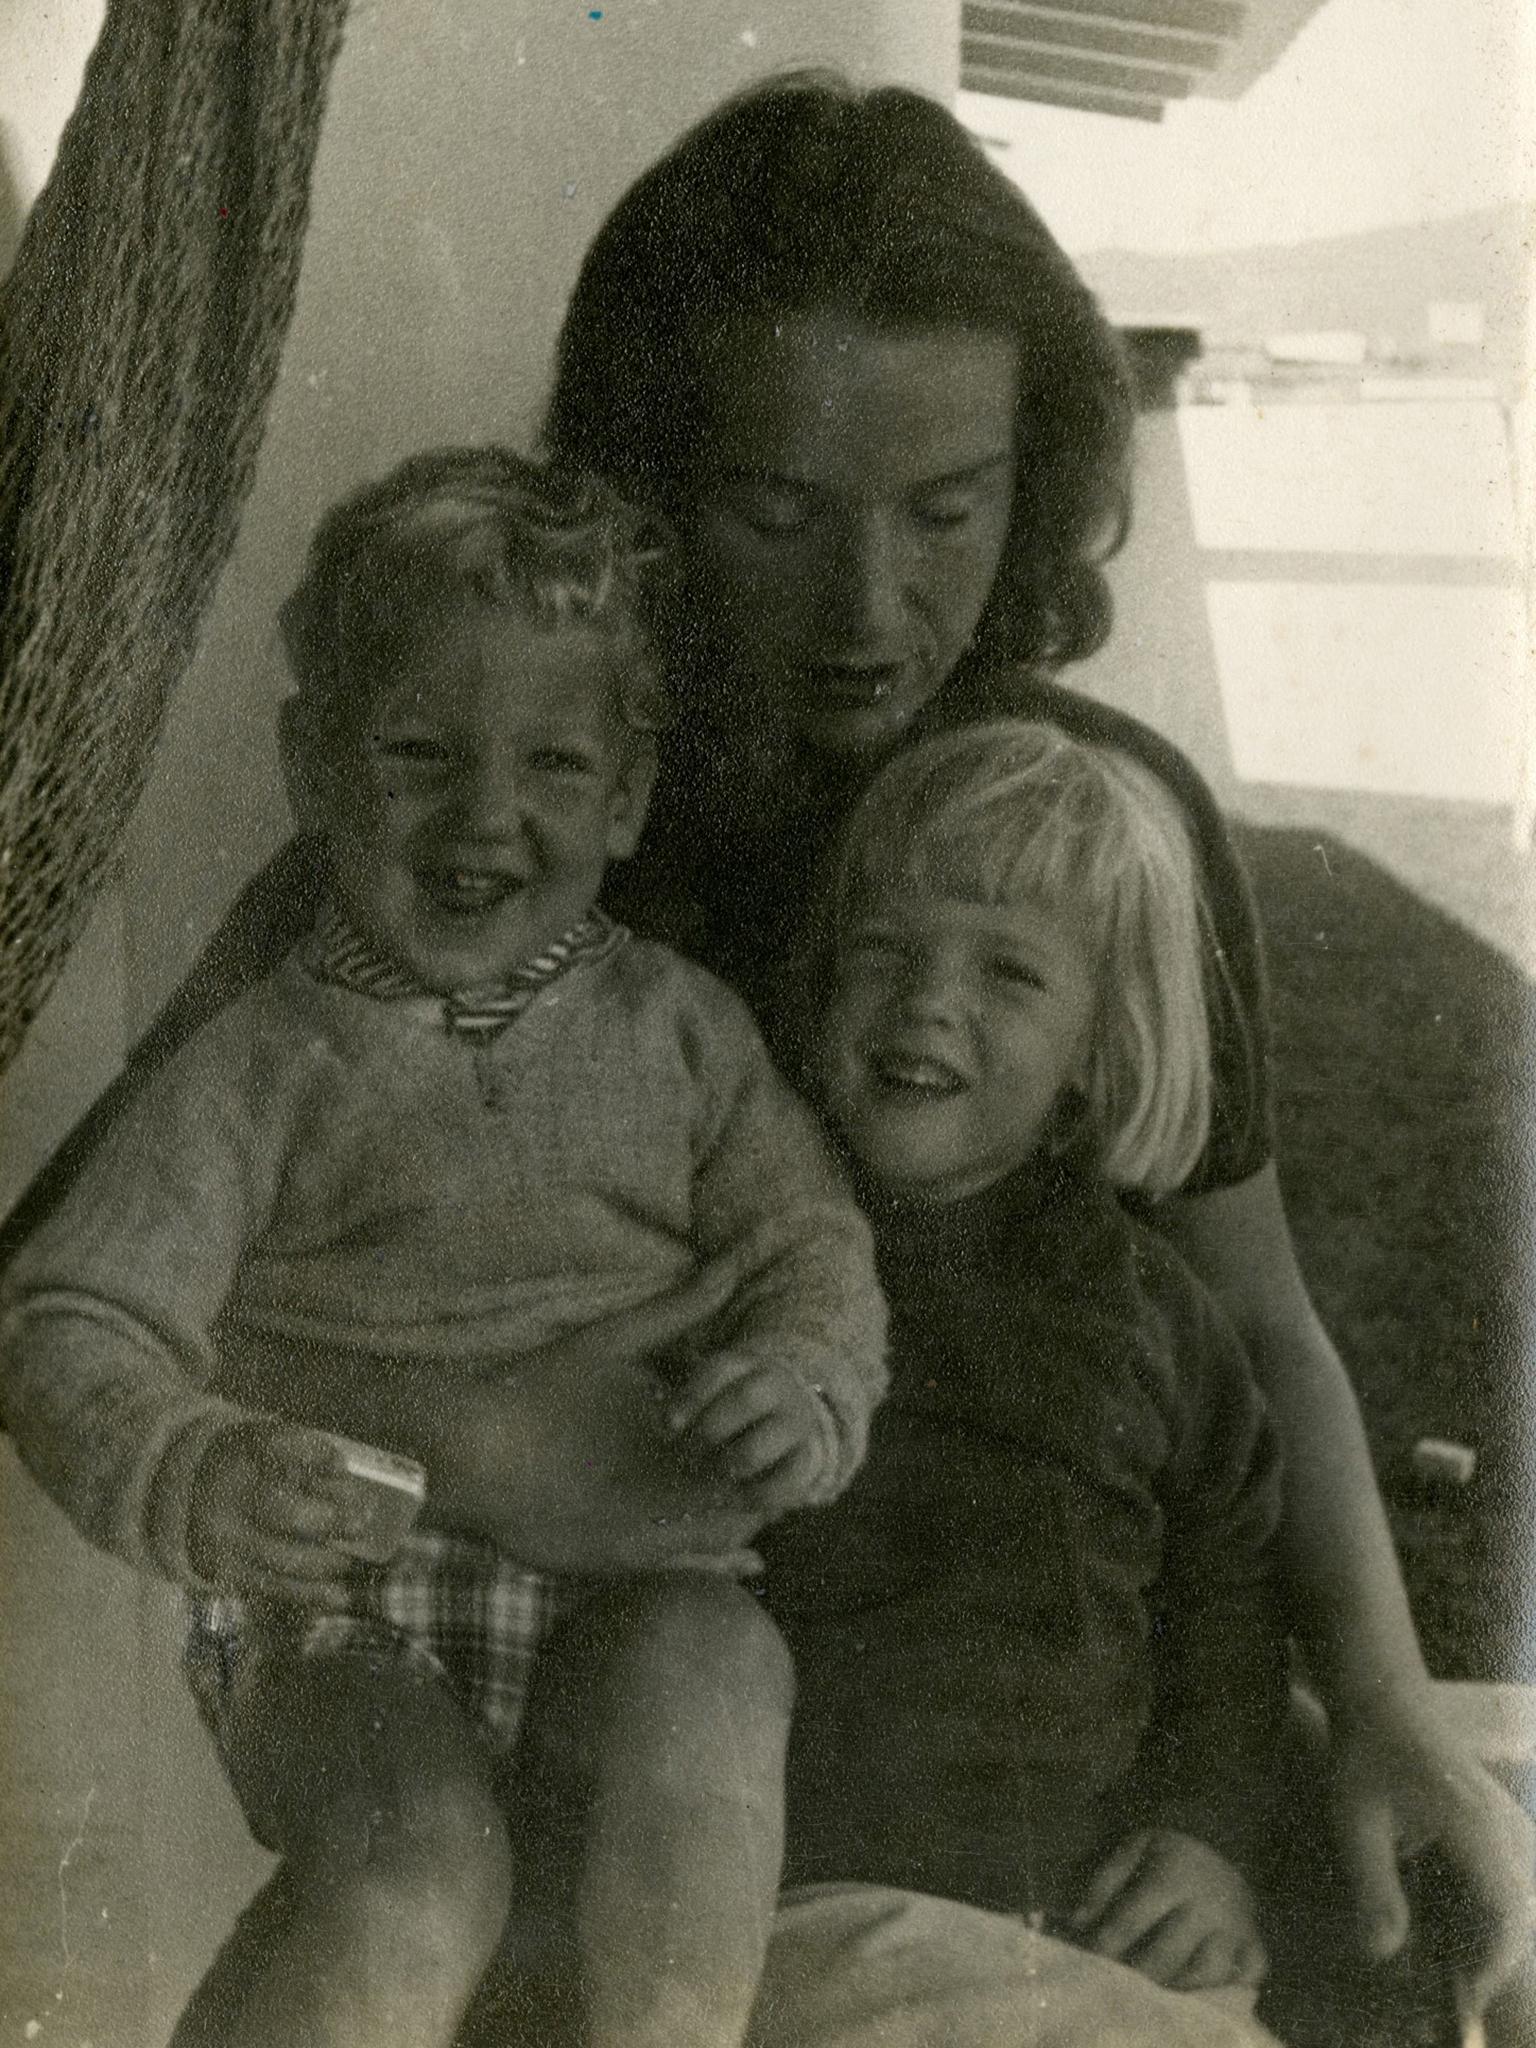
column 339, row 955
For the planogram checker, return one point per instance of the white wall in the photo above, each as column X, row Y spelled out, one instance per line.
column 471, row 148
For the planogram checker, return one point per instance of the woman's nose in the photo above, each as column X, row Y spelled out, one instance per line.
column 863, row 583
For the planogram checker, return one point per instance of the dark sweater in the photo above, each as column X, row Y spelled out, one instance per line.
column 1042, row 1615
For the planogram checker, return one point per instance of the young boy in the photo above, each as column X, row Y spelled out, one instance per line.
column 1040, row 1663
column 468, row 1130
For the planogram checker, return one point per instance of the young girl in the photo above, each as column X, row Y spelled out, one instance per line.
column 1040, row 1657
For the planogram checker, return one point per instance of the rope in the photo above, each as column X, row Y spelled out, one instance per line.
column 140, row 332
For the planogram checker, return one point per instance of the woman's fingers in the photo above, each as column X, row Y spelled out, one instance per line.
column 1111, row 1878
column 1167, row 1951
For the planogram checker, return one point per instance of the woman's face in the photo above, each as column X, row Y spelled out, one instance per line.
column 848, row 517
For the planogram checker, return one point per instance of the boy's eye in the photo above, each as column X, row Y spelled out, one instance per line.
column 561, row 761
column 405, row 747
column 876, row 946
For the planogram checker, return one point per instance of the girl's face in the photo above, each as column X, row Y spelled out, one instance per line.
column 954, row 1030
column 848, row 519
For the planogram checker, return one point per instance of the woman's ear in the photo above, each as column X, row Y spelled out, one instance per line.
column 629, row 799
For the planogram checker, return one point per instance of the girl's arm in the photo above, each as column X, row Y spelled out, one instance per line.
column 1404, row 1778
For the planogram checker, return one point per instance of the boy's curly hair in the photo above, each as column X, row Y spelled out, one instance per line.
column 473, row 526
column 805, row 194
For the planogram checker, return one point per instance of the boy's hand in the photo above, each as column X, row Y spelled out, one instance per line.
column 1175, row 1909
column 772, row 1434
column 272, row 1509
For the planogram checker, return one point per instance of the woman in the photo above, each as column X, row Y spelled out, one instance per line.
column 891, row 431
column 847, row 360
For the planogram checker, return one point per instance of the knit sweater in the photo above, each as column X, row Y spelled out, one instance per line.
column 319, row 1179
column 1043, row 1612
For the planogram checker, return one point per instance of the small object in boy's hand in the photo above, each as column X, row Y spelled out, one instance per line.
column 1438, row 1462
column 387, row 1499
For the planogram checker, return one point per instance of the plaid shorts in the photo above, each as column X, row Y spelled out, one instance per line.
column 474, row 1616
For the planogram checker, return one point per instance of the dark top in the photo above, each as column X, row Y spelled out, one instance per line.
column 1043, row 1613
column 724, row 871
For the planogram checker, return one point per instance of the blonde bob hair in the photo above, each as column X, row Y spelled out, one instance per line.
column 1011, row 811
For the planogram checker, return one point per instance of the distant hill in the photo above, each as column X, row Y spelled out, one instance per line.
column 1378, row 283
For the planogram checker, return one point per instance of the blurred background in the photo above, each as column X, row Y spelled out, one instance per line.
column 1312, row 218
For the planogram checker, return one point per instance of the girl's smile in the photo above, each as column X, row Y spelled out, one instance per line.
column 955, row 1030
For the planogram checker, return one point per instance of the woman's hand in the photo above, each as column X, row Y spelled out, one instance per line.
column 568, row 1461
column 1175, row 1909
column 1407, row 1783
column 271, row 1515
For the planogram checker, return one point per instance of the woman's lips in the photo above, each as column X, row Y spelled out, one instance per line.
column 857, row 685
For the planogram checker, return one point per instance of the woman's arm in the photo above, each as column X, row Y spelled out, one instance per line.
column 1404, row 1778
column 603, row 1486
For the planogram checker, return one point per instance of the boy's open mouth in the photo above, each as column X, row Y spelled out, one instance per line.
column 919, row 1079
column 468, row 892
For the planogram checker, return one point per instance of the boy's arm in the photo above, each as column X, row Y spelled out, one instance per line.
column 1212, row 1754
column 766, row 1188
column 106, row 1316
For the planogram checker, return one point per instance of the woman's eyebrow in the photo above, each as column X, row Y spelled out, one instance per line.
column 783, row 479
column 972, row 473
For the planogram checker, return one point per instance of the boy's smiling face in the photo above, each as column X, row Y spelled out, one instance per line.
column 471, row 816
column 954, row 1030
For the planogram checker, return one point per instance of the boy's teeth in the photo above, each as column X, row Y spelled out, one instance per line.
column 472, row 887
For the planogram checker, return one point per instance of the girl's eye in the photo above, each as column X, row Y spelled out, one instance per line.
column 1015, row 973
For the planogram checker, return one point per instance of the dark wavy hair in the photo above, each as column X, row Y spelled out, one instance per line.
column 804, row 194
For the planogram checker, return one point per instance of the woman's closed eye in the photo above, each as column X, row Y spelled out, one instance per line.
column 946, row 512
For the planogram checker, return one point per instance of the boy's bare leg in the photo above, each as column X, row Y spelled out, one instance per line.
column 671, row 1712
column 394, row 1885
